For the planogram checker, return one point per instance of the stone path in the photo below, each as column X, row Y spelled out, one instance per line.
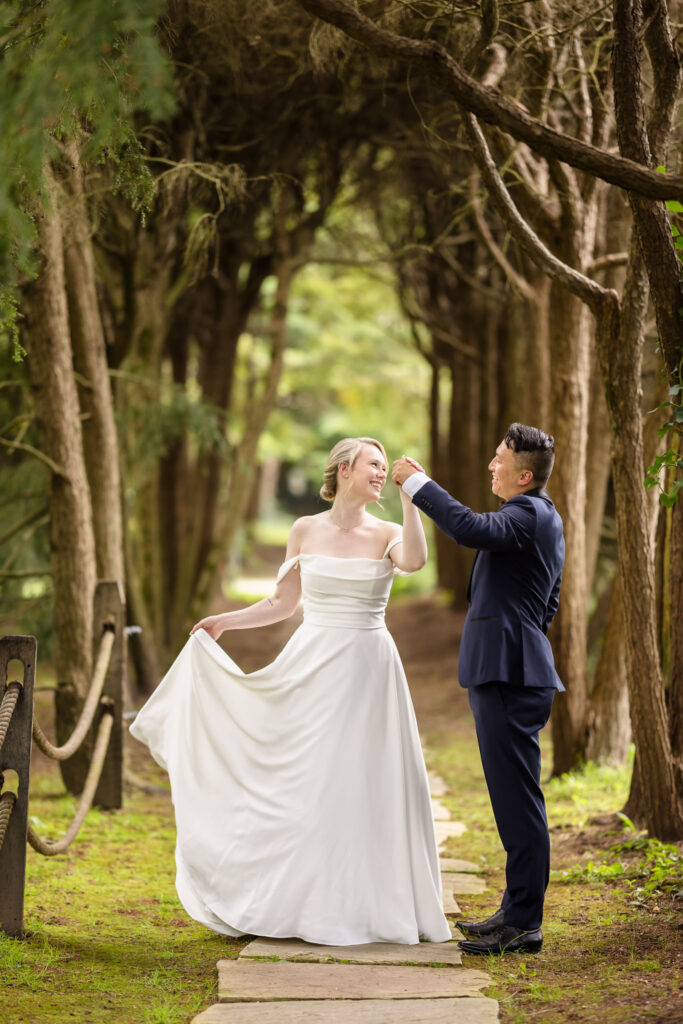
column 288, row 981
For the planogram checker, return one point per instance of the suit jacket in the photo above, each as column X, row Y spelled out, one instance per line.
column 514, row 588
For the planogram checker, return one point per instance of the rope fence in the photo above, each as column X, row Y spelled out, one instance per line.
column 9, row 702
column 7, row 802
column 90, row 706
column 50, row 849
column 101, row 714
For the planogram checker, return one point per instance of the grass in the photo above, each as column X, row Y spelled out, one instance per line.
column 108, row 940
column 612, row 950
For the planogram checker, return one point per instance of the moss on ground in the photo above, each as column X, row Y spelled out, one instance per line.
column 107, row 939
column 612, row 949
column 109, row 942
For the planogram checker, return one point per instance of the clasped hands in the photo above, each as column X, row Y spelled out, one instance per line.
column 403, row 468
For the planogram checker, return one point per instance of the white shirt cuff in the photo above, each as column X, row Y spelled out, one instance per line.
column 412, row 484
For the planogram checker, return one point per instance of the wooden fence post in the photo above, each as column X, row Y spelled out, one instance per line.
column 109, row 609
column 15, row 755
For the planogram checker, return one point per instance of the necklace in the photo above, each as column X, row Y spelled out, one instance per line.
column 344, row 529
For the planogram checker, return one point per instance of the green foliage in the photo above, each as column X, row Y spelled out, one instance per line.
column 71, row 66
column 576, row 796
column 669, row 461
column 9, row 323
column 24, row 536
column 350, row 370
column 107, row 937
column 152, row 418
column 658, row 868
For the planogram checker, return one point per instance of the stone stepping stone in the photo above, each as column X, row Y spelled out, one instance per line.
column 439, row 812
column 445, row 829
column 437, row 786
column 258, row 981
column 455, row 864
column 466, row 1010
column 463, row 884
column 450, row 905
column 368, row 953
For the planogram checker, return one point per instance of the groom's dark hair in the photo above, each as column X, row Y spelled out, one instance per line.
column 538, row 449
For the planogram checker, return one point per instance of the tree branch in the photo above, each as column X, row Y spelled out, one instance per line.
column 515, row 279
column 593, row 294
column 20, row 574
column 491, row 107
column 666, row 71
column 487, row 30
column 650, row 218
column 26, row 521
column 612, row 259
column 19, row 446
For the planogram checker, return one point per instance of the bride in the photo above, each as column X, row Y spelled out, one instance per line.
column 300, row 791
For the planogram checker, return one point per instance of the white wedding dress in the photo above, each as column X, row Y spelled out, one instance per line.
column 300, row 791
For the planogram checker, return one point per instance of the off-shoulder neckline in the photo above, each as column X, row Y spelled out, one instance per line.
column 340, row 558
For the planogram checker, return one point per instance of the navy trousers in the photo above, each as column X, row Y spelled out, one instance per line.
column 508, row 720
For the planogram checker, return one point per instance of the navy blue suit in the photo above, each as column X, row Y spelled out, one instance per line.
column 507, row 666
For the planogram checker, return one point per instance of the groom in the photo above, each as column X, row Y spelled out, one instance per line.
column 506, row 662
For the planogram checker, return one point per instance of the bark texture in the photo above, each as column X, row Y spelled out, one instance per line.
column 90, row 358
column 72, row 541
column 490, row 106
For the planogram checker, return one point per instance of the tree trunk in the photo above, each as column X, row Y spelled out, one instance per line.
column 99, row 432
column 609, row 724
column 570, row 354
column 597, row 471
column 243, row 467
column 464, row 462
column 676, row 635
column 537, row 386
column 72, row 542
column 653, row 803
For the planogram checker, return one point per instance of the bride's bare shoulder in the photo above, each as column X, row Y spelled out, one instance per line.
column 302, row 527
column 393, row 530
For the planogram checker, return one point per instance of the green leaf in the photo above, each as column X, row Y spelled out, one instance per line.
column 661, row 169
column 674, row 205
column 668, row 500
column 678, row 414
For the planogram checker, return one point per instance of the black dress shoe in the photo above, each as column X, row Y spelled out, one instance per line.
column 491, row 924
column 506, row 939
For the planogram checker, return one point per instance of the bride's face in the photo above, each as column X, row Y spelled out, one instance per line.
column 367, row 476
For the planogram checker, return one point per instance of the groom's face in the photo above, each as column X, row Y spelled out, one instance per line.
column 507, row 476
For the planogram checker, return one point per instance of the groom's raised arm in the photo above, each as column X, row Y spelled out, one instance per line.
column 512, row 528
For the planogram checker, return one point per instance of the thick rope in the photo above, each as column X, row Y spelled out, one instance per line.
column 7, row 801
column 49, row 849
column 89, row 708
column 9, row 702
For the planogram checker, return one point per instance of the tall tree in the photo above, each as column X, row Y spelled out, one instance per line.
column 71, row 83
column 654, row 800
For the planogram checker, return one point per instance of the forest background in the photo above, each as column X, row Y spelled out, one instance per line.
column 233, row 233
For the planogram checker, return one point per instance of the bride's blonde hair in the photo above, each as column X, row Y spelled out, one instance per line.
column 346, row 450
